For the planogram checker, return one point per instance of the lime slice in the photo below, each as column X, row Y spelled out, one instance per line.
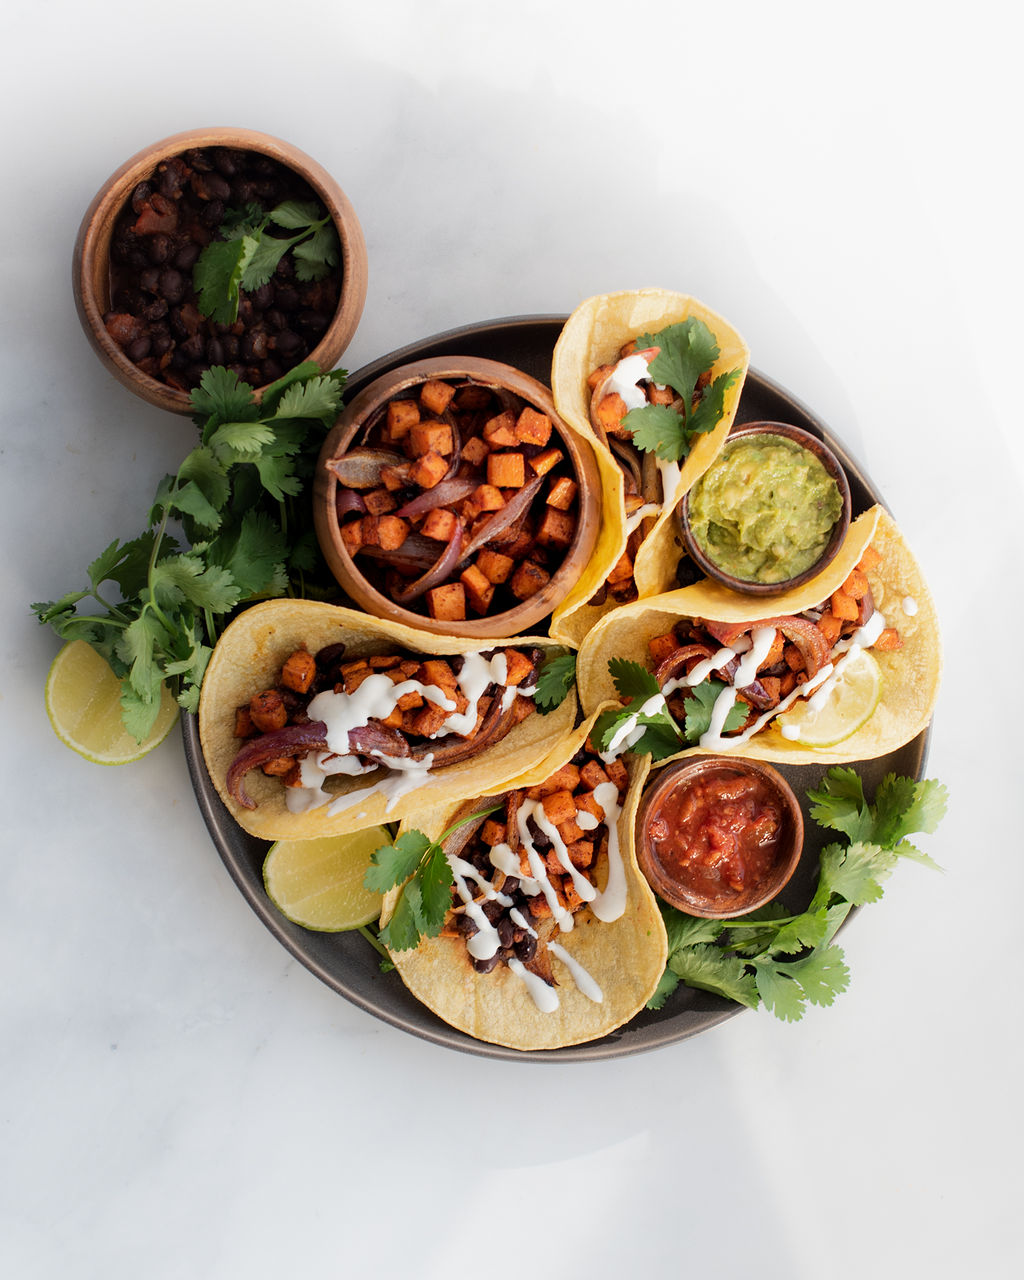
column 853, row 698
column 83, row 701
column 319, row 883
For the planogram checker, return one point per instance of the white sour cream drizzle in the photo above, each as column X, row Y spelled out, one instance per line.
column 909, row 606
column 606, row 906
column 375, row 699
column 624, row 381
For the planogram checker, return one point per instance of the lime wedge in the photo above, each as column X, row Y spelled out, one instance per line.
column 83, row 701
column 319, row 883
column 853, row 698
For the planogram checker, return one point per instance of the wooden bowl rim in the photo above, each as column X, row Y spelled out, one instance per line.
column 91, row 262
column 666, row 780
column 351, row 420
column 832, row 465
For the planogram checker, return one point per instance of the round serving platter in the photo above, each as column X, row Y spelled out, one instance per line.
column 345, row 961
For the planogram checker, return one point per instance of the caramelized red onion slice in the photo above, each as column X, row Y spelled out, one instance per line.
column 496, row 724
column 360, row 468
column 499, row 521
column 678, row 663
column 445, row 493
column 806, row 635
column 445, row 564
column 349, row 502
column 292, row 740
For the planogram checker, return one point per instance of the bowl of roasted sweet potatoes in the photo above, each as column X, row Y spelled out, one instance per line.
column 450, row 496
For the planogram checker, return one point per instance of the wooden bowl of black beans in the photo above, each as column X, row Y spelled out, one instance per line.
column 218, row 247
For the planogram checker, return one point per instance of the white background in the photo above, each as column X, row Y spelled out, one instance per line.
column 180, row 1098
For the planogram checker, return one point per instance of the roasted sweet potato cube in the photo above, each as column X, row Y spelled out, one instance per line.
column 487, row 497
column 479, row 591
column 392, row 531
column 662, row 647
column 772, row 686
column 793, row 658
column 447, row 603
column 592, row 774
column 559, row 807
column 396, row 477
column 610, row 412
column 528, row 579
column 278, row 767
column 439, row 524
column 598, row 376
column 557, row 529
column 472, row 396
column 889, row 640
column 475, row 450
column 401, row 415
column 522, row 709
column 500, row 431
column 533, row 427
column 587, row 803
column 244, row 727
column 568, row 895
column 787, row 683
column 581, row 854
column 519, row 667
column 621, row 570
column 660, row 395
column 298, row 671
column 352, row 535
column 775, row 653
column 379, row 501
column 494, row 566
column 437, row 671
column 543, row 462
column 428, row 720
column 268, row 711
column 435, row 395
column 570, row 831
column 567, row 778
column 492, row 832
column 830, row 627
column 428, row 470
column 352, row 674
column 522, row 544
column 384, row 661
column 430, row 436
column 856, row 584
column 395, row 718
column 844, row 606
column 562, row 493
column 506, row 470
column 870, row 559
column 617, row 773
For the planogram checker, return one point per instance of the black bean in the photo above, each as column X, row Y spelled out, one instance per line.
column 287, row 343
column 149, row 280
column 312, row 322
column 215, row 351
column 262, row 297
column 287, row 297
column 161, row 342
column 505, row 931
column 272, row 370
column 485, row 966
column 198, row 159
column 138, row 350
column 141, row 195
column 185, row 258
column 254, row 345
column 213, row 214
column 159, row 248
column 172, row 285
column 274, row 320
column 527, row 948
column 155, row 310
column 193, row 347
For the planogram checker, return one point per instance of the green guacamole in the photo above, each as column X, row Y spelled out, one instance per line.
column 764, row 509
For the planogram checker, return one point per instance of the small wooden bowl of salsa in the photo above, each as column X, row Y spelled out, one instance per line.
column 719, row 837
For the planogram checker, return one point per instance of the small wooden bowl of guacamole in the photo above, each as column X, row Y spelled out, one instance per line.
column 770, row 512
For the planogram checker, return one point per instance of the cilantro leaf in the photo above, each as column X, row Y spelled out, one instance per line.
column 221, row 395
column 217, row 277
column 660, row 430
column 632, row 679
column 707, row 414
column 686, row 350
column 556, row 677
column 700, row 705
column 392, row 864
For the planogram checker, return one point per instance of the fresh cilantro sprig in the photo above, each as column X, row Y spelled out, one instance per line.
column 234, row 499
column 421, row 866
column 786, row 962
column 556, row 677
column 687, row 351
column 662, row 736
column 249, row 253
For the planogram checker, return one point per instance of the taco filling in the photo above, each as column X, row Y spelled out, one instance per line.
column 398, row 714
column 523, row 873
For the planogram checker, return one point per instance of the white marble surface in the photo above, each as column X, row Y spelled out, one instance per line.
column 180, row 1098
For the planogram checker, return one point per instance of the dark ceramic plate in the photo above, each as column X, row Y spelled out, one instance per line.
column 345, row 961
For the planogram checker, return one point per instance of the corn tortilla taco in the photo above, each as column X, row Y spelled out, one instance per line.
column 540, row 969
column 683, row 637
column 639, row 549
column 383, row 745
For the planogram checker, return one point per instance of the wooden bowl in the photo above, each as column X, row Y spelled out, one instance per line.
column 91, row 264
column 834, row 468
column 361, row 414
column 690, row 891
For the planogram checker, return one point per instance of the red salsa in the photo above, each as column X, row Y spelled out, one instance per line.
column 718, row 835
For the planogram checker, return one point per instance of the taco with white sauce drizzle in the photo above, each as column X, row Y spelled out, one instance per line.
column 654, row 379
column 707, row 670
column 553, row 936
column 316, row 720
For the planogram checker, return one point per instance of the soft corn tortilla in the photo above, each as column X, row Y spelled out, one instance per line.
column 909, row 676
column 626, row 957
column 247, row 659
column 593, row 336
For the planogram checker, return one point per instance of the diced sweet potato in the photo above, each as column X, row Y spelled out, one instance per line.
column 352, row 674
column 570, row 831
column 545, row 461
column 352, row 536
column 662, row 647
column 856, row 585
column 562, row 493
column 870, row 559
column 428, row 720
column 610, row 412
column 506, row 470
column 298, row 671
column 392, row 531
column 396, row 477
column 430, row 436
column 487, row 497
column 435, row 395
column 268, row 711
column 528, row 579
column 621, row 570
column 844, row 606
column 587, row 803
column 559, row 807
column 401, row 415
column 244, row 727
column 889, row 641
column 475, row 450
column 592, row 774
column 581, row 854
column 598, row 376
column 278, row 767
column 447, row 603
column 557, row 529
column 384, row 661
column 379, row 501
column 479, row 590
column 439, row 524
column 438, row 672
column 500, row 431
column 518, row 667
column 428, row 470
column 660, row 395
column 492, row 832
column 522, row 709
column 830, row 627
column 472, row 396
column 617, row 773
column 533, row 427
column 494, row 566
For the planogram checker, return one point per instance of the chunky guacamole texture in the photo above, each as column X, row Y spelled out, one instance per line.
column 764, row 509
